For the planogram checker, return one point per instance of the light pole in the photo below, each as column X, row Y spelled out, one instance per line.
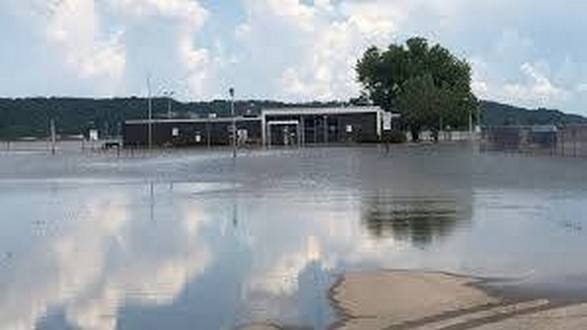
column 231, row 92
column 150, row 122
column 53, row 136
column 471, row 124
column 466, row 100
column 169, row 95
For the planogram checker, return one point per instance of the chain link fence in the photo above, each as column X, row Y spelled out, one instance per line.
column 46, row 146
column 565, row 140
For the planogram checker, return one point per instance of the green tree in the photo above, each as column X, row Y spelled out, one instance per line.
column 420, row 103
column 429, row 86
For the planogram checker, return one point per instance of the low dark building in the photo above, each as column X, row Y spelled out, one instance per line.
column 544, row 136
column 291, row 126
column 191, row 132
column 321, row 125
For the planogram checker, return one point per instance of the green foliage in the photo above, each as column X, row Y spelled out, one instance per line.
column 427, row 85
column 30, row 117
column 497, row 114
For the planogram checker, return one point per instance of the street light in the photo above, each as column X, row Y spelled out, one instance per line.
column 168, row 95
column 471, row 124
column 466, row 99
column 150, row 124
column 231, row 92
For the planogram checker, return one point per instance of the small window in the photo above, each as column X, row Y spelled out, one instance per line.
column 93, row 135
column 198, row 138
column 175, row 131
column 243, row 136
column 349, row 128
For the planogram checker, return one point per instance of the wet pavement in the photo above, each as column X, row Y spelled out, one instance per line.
column 190, row 239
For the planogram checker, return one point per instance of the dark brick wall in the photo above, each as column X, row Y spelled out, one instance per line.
column 210, row 133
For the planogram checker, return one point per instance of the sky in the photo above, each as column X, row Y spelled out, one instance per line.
column 524, row 52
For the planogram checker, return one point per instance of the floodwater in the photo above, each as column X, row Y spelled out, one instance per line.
column 192, row 240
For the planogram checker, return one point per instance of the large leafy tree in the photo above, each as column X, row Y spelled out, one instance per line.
column 428, row 85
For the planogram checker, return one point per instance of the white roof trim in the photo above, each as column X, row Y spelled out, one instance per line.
column 191, row 121
column 282, row 122
column 265, row 113
column 319, row 111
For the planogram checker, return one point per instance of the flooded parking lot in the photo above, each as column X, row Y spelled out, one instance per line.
column 191, row 239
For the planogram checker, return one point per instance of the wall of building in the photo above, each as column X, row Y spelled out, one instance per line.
column 282, row 127
column 178, row 134
column 328, row 128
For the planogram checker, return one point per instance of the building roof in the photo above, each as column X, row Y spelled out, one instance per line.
column 191, row 120
column 319, row 111
column 266, row 112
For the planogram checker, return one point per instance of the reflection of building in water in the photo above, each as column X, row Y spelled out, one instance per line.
column 418, row 220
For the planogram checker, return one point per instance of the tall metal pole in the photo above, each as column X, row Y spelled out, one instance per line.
column 325, row 127
column 471, row 124
column 466, row 102
column 169, row 107
column 231, row 92
column 150, row 122
column 53, row 136
column 169, row 95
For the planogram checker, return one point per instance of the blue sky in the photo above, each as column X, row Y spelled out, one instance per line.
column 524, row 52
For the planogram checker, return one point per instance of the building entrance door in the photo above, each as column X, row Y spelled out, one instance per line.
column 284, row 133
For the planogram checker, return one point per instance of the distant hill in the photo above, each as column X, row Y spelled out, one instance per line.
column 497, row 114
column 30, row 117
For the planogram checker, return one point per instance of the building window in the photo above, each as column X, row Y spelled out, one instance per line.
column 198, row 138
column 175, row 132
column 93, row 135
column 349, row 128
column 243, row 136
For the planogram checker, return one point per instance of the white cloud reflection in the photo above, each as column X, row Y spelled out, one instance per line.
column 91, row 262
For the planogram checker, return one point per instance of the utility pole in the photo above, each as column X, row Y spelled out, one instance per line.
column 325, row 129
column 150, row 122
column 169, row 95
column 53, row 136
column 470, row 124
column 231, row 92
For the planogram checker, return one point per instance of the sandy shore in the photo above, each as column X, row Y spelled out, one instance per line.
column 425, row 300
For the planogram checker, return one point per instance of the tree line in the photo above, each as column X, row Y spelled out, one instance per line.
column 428, row 85
column 31, row 117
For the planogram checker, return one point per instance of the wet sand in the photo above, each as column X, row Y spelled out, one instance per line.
column 427, row 300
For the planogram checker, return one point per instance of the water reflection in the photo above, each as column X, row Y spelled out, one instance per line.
column 216, row 251
column 416, row 220
column 89, row 260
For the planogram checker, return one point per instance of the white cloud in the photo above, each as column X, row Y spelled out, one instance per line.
column 376, row 18
column 532, row 88
column 537, row 88
column 582, row 88
column 74, row 26
column 318, row 44
column 288, row 49
column 103, row 42
column 189, row 12
column 187, row 17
